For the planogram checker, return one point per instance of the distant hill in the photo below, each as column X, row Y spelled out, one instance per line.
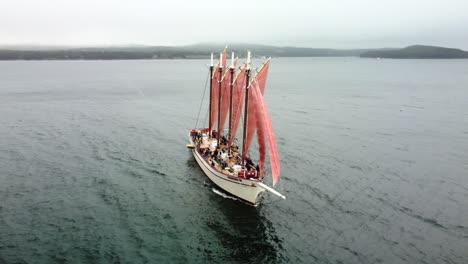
column 203, row 50
column 417, row 52
column 275, row 51
column 164, row 52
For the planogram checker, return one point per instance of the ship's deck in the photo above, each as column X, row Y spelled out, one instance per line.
column 224, row 159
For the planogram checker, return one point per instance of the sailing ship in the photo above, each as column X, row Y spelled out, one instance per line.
column 237, row 93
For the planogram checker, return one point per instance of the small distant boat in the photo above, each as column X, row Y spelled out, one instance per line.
column 224, row 162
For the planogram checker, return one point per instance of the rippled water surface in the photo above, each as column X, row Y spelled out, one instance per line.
column 94, row 169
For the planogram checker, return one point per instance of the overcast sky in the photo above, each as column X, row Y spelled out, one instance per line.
column 308, row 23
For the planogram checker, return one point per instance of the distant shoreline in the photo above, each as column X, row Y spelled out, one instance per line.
column 417, row 52
column 203, row 51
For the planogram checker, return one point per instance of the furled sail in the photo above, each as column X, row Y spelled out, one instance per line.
column 215, row 78
column 214, row 95
column 237, row 101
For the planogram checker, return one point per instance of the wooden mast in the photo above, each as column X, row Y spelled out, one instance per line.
column 230, row 97
column 211, row 87
column 244, row 134
column 218, row 133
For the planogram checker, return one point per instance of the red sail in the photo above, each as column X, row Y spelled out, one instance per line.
column 273, row 149
column 237, row 101
column 251, row 121
column 268, row 127
column 260, row 79
column 256, row 101
column 265, row 129
column 215, row 89
column 225, row 96
column 261, row 76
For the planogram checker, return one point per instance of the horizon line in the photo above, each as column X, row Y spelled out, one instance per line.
column 135, row 45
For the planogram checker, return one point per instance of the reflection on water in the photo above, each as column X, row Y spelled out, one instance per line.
column 245, row 233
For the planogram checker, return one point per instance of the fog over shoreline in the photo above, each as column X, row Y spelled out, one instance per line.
column 312, row 24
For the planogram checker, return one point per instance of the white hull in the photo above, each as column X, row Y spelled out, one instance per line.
column 245, row 189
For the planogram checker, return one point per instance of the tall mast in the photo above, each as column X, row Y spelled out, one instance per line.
column 230, row 97
column 218, row 134
column 211, row 84
column 244, row 134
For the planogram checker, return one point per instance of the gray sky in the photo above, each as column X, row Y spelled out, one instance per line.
column 308, row 23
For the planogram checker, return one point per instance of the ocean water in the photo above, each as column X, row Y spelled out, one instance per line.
column 94, row 168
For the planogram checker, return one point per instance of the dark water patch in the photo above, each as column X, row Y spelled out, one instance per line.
column 406, row 149
column 155, row 171
column 191, row 163
column 355, row 167
column 365, row 96
column 392, row 242
column 413, row 106
column 412, row 245
column 123, row 216
column 338, row 127
column 409, row 162
column 281, row 141
column 135, row 174
column 397, row 175
column 384, row 134
column 248, row 237
column 350, row 250
column 322, row 196
column 300, row 112
column 413, row 214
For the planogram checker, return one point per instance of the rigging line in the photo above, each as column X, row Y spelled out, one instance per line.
column 281, row 185
column 206, row 117
column 203, row 97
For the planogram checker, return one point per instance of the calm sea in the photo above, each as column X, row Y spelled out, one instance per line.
column 94, row 168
